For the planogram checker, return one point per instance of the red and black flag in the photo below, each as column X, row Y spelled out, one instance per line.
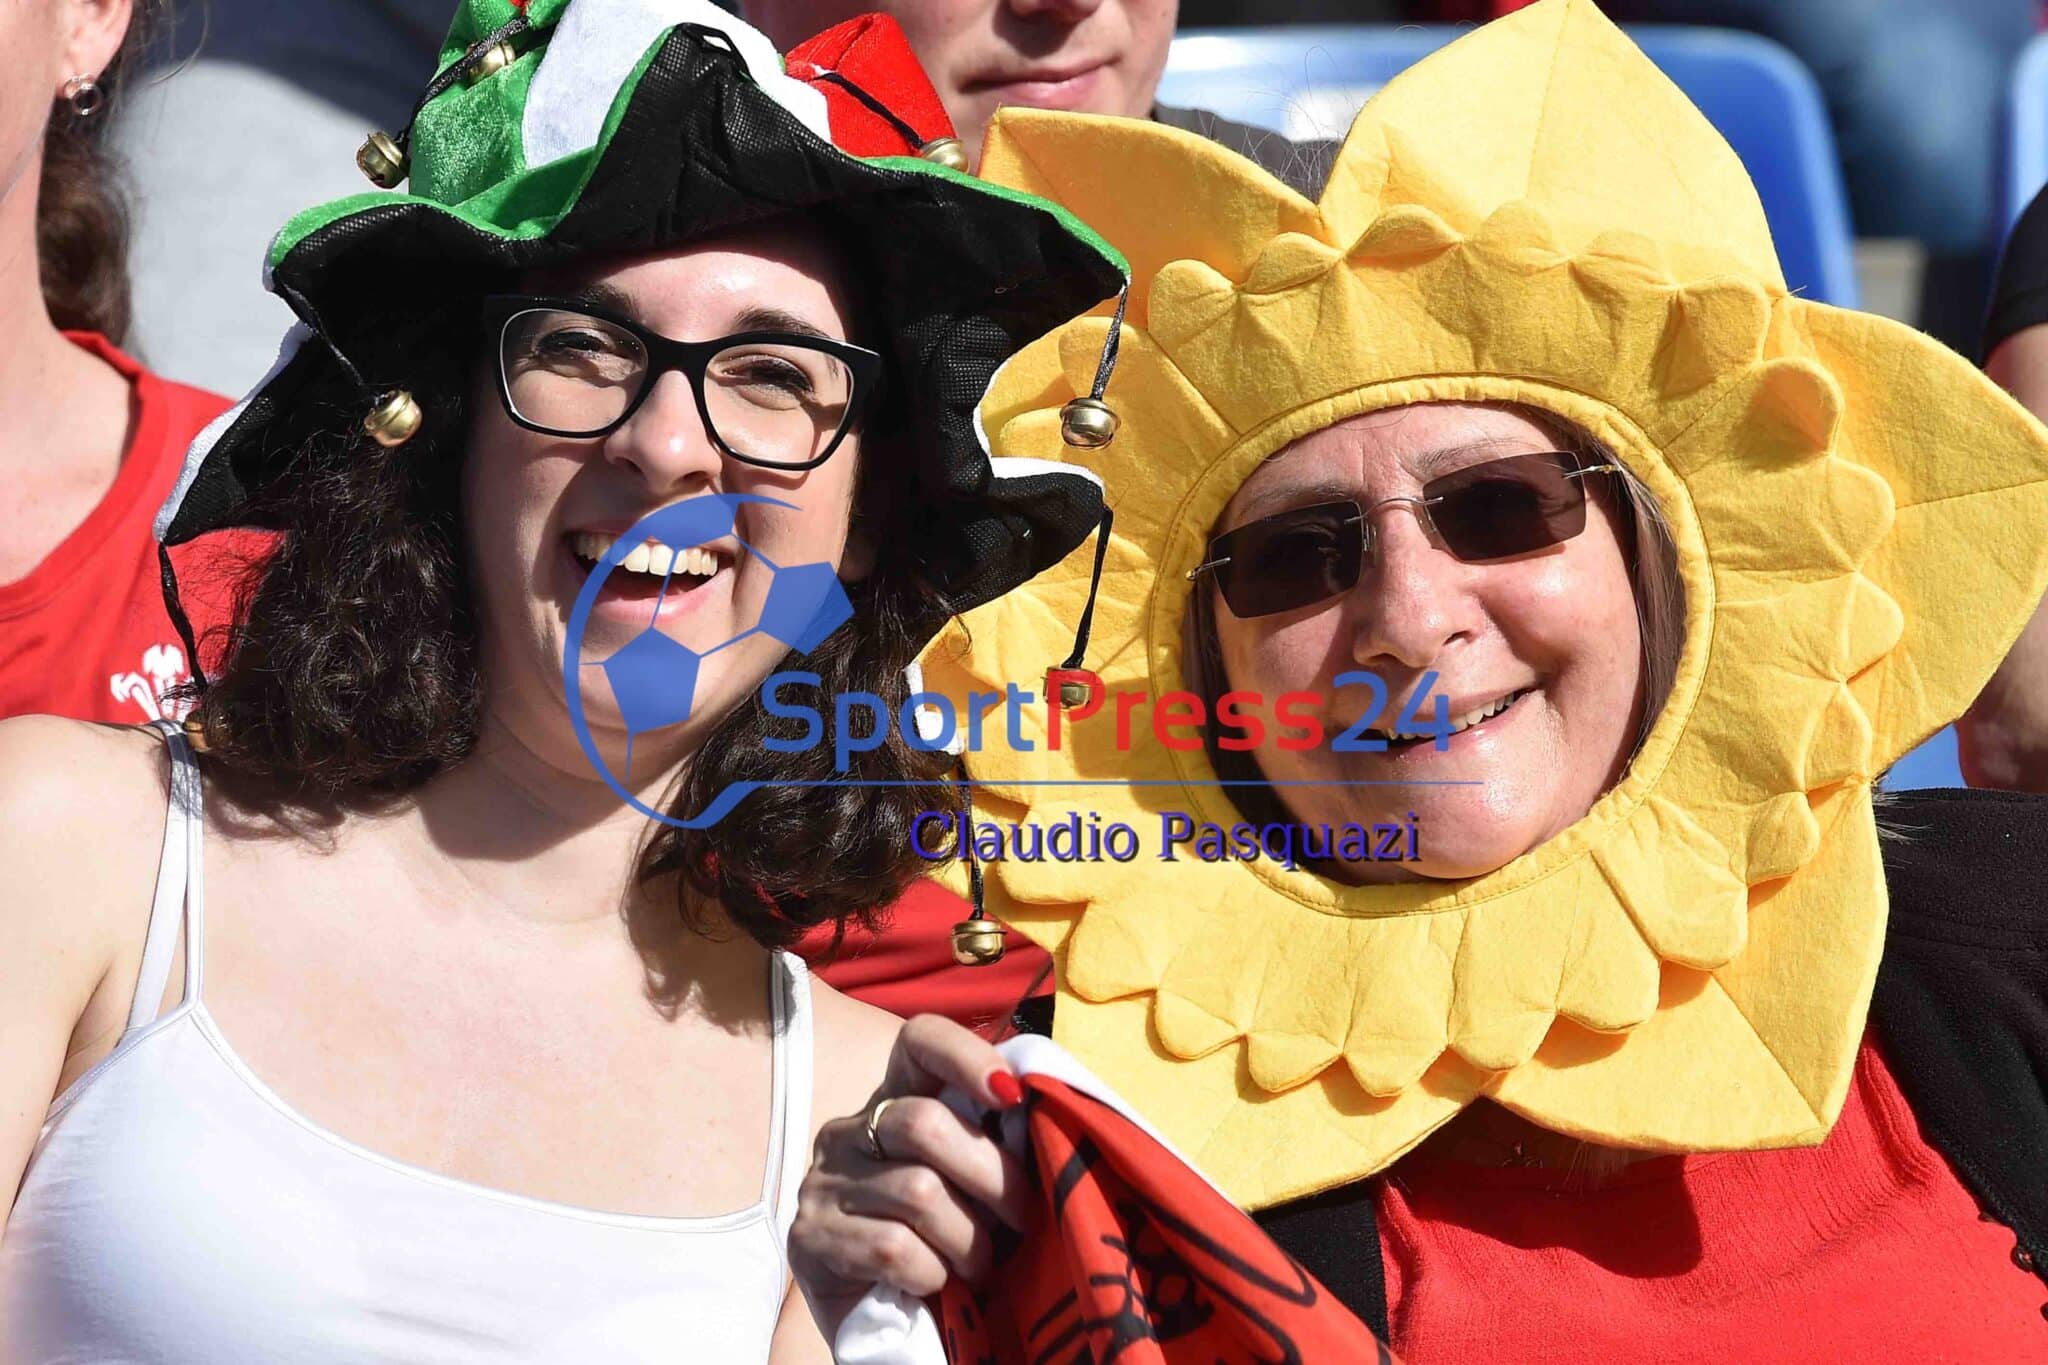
column 1133, row 1257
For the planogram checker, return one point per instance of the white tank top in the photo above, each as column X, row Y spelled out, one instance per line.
column 176, row 1210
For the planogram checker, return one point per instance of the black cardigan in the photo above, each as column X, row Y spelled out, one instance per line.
column 1961, row 1010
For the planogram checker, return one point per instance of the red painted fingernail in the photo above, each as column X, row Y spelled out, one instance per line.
column 1008, row 1090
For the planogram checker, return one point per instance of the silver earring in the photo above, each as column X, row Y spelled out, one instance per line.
column 85, row 95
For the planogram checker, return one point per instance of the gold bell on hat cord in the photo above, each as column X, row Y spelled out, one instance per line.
column 395, row 419
column 949, row 152
column 977, row 942
column 1073, row 693
column 382, row 159
column 1088, row 423
column 489, row 63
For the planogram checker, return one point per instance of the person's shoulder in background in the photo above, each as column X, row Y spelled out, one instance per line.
column 2019, row 294
column 2002, row 741
column 1302, row 166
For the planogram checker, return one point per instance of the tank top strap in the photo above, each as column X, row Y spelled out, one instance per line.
column 179, row 900
column 790, row 1119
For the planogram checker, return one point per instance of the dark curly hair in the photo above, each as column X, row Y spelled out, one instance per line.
column 352, row 678
column 81, row 206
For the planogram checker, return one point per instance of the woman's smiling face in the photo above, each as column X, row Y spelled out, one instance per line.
column 540, row 508
column 1553, row 634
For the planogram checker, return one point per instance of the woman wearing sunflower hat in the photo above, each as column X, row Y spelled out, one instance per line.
column 396, row 1033
column 1632, row 1041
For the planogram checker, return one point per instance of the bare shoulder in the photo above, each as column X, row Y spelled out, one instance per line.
column 78, row 778
column 852, row 1050
column 81, row 819
column 68, row 784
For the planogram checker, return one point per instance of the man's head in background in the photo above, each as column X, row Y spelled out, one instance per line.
column 1100, row 56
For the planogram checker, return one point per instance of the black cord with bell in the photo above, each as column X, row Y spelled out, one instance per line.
column 1089, row 423
column 977, row 940
column 1073, row 693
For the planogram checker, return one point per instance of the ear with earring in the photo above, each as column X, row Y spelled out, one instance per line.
column 85, row 95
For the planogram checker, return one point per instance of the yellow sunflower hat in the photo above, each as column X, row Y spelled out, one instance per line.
column 1534, row 215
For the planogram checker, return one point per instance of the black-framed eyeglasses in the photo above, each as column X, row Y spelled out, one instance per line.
column 780, row 400
column 1493, row 510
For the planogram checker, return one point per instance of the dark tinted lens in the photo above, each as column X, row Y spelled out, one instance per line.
column 1290, row 560
column 1508, row 507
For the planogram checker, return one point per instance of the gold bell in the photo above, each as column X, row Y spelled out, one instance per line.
column 1073, row 694
column 489, row 63
column 977, row 942
column 1088, row 423
column 195, row 734
column 381, row 159
column 949, row 152
column 395, row 419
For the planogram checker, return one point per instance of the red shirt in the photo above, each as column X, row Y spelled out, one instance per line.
column 86, row 634
column 1865, row 1248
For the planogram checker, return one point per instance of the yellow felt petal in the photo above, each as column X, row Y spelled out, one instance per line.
column 1262, row 1148
column 1049, row 926
column 1795, row 650
column 1033, row 380
column 1844, row 511
column 1805, row 990
column 1678, row 884
column 1111, row 954
column 1301, row 1032
column 1694, row 1067
column 1712, row 329
column 1401, row 1000
column 1217, row 211
column 1610, row 975
column 1784, row 836
column 1758, row 1054
column 1406, row 232
column 1510, row 962
column 1062, row 840
column 1210, row 992
column 1969, row 474
column 1534, row 136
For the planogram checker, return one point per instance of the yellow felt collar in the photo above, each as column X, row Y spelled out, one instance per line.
column 1532, row 215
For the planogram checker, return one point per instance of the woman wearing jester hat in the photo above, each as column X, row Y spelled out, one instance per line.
column 1652, row 1050
column 451, row 1054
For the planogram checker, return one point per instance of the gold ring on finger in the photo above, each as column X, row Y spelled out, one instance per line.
column 873, row 1127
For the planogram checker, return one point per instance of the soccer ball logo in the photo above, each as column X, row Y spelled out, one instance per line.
column 654, row 678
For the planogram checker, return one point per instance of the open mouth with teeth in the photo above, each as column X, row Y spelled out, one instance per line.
column 1399, row 739
column 650, row 566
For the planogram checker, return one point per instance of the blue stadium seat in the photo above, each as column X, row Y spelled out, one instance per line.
column 2026, row 130
column 1309, row 80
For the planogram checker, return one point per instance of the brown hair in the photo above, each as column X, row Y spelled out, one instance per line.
column 82, row 208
